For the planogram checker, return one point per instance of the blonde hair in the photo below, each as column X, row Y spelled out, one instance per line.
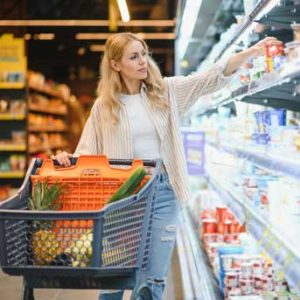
column 111, row 84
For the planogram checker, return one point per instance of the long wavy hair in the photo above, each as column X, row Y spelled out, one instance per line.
column 111, row 85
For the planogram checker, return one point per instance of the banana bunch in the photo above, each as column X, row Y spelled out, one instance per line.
column 81, row 250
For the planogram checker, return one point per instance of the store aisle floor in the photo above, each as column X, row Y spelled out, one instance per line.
column 11, row 288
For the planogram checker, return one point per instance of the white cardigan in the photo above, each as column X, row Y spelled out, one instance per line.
column 183, row 92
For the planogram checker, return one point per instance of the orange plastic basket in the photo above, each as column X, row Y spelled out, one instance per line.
column 89, row 183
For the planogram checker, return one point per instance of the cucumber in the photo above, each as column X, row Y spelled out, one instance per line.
column 128, row 187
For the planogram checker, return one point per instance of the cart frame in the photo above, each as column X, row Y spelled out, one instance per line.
column 98, row 275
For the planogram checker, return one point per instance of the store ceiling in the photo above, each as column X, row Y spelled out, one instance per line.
column 62, row 51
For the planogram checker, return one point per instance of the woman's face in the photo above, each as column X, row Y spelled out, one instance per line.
column 133, row 64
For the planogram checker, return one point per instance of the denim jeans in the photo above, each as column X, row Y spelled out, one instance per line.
column 165, row 223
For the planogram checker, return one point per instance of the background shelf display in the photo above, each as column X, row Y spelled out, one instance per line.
column 289, row 166
column 47, row 119
column 277, row 93
column 13, row 148
column 58, row 111
column 197, row 277
column 12, row 175
column 274, row 242
column 225, row 117
column 13, row 113
column 47, row 91
column 12, row 117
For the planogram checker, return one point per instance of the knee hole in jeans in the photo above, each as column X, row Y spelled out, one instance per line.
column 156, row 281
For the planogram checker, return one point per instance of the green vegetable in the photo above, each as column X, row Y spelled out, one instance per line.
column 44, row 197
column 129, row 186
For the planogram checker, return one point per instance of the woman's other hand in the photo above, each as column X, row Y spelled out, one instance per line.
column 63, row 158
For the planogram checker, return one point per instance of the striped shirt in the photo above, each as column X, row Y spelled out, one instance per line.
column 183, row 92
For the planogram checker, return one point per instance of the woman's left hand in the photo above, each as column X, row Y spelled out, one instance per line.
column 259, row 48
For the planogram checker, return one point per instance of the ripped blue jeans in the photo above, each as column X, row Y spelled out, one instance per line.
column 165, row 223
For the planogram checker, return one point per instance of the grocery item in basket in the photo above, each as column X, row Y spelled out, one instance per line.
column 63, row 259
column 81, row 250
column 44, row 197
column 129, row 186
column 44, row 241
column 45, row 246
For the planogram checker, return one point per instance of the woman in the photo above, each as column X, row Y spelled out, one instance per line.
column 137, row 115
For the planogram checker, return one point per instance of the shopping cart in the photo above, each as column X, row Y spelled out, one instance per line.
column 116, row 239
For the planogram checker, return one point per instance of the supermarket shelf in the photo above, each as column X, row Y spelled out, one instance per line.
column 13, row 148
column 266, row 13
column 12, row 117
column 275, row 244
column 33, row 150
column 283, row 15
column 50, row 129
column 267, row 92
column 12, row 85
column 46, row 91
column 253, row 16
column 45, row 110
column 203, row 282
column 9, row 175
column 184, row 268
column 277, row 164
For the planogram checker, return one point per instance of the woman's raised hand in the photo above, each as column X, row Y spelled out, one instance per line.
column 259, row 48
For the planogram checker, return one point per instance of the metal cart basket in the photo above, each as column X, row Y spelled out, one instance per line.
column 83, row 249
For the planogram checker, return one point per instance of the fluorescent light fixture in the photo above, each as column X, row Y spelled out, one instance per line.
column 27, row 36
column 97, row 48
column 189, row 19
column 81, row 51
column 86, row 23
column 92, row 36
column 145, row 36
column 123, row 10
column 44, row 36
column 156, row 36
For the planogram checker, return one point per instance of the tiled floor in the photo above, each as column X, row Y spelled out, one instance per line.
column 11, row 288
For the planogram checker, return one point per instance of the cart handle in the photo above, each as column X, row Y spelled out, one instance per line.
column 113, row 161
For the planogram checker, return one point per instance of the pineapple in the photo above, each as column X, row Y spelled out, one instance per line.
column 45, row 246
column 45, row 242
column 45, row 197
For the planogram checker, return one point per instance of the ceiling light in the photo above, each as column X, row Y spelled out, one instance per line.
column 123, row 10
column 44, row 36
column 184, row 63
column 92, row 36
column 27, row 36
column 189, row 18
column 81, row 51
column 145, row 36
column 97, row 48
column 86, row 23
